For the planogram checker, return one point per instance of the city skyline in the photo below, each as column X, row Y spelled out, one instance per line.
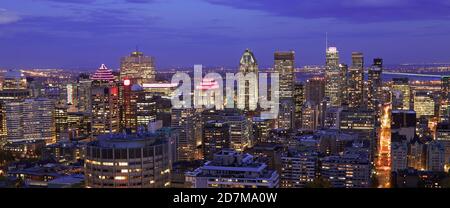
column 85, row 33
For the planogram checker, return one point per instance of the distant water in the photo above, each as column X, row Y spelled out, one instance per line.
column 386, row 77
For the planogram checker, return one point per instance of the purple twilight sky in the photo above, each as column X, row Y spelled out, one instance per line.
column 86, row 33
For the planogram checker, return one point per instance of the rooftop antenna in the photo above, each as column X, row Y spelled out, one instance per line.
column 326, row 41
column 137, row 48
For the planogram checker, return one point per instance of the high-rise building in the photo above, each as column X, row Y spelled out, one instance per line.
column 61, row 125
column 435, row 156
column 138, row 68
column 248, row 64
column 443, row 135
column 399, row 152
column 286, row 114
column 298, row 168
column 128, row 161
column 127, row 107
column 261, row 128
column 105, row 102
column 401, row 94
column 79, row 125
column 231, row 169
column 83, row 102
column 444, row 105
column 417, row 154
column 310, row 117
column 13, row 80
column 315, row 90
column 375, row 84
column 333, row 89
column 187, row 124
column 285, row 66
column 424, row 104
column 404, row 123
column 361, row 122
column 240, row 130
column 355, row 82
column 299, row 100
column 349, row 170
column 216, row 136
column 30, row 120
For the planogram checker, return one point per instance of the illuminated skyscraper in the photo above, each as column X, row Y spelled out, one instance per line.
column 248, row 64
column 261, row 128
column 444, row 106
column 310, row 116
column 61, row 124
column 127, row 108
column 240, row 130
column 443, row 135
column 187, row 124
column 216, row 136
column 105, row 102
column 375, row 84
column 333, row 89
column 315, row 90
column 83, row 102
column 401, row 94
column 285, row 66
column 138, row 68
column 299, row 100
column 355, row 82
column 31, row 120
column 286, row 115
column 424, row 104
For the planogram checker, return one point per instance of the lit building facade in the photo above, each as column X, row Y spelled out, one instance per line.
column 248, row 64
column 436, row 156
column 216, row 136
column 349, row 170
column 424, row 104
column 375, row 85
column 105, row 102
column 298, row 168
column 333, row 77
column 443, row 135
column 30, row 120
column 128, row 161
column 138, row 68
column 401, row 94
column 315, row 90
column 285, row 66
column 230, row 169
column 355, row 82
column 187, row 124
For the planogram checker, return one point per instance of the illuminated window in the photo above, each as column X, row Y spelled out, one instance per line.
column 120, row 178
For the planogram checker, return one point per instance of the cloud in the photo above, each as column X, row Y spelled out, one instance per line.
column 348, row 10
column 7, row 17
column 73, row 1
column 140, row 1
